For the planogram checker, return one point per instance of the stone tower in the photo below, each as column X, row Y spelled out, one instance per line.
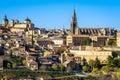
column 12, row 22
column 27, row 21
column 74, row 26
column 5, row 21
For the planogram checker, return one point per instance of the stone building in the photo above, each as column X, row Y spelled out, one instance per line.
column 16, row 26
column 92, row 54
column 78, row 40
column 118, row 38
column 40, row 30
column 75, row 40
column 100, row 41
column 21, row 27
column 44, row 42
column 5, row 22
column 97, row 31
column 89, row 31
column 57, row 42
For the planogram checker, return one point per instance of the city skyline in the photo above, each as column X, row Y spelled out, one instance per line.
column 57, row 13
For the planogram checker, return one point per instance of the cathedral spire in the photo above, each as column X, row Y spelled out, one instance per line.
column 74, row 18
column 5, row 17
column 74, row 26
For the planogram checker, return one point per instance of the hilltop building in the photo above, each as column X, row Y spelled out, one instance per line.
column 16, row 26
column 21, row 27
column 92, row 54
column 78, row 40
column 99, row 39
column 89, row 31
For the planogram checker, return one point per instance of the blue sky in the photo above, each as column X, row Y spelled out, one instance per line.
column 57, row 13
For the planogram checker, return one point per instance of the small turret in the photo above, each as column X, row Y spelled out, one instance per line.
column 5, row 21
column 12, row 22
column 27, row 21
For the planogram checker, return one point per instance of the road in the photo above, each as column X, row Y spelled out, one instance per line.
column 81, row 75
column 76, row 74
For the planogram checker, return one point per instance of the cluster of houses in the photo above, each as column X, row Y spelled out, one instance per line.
column 39, row 46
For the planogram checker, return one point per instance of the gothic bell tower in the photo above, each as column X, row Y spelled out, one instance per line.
column 74, row 26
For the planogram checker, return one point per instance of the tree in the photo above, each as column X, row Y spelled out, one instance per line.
column 84, row 61
column 1, row 65
column 8, row 65
column 97, row 63
column 32, row 39
column 116, row 62
column 62, row 67
column 118, row 75
column 105, row 69
column 49, row 68
column 111, row 42
column 94, row 63
column 91, row 63
column 85, row 68
column 69, row 68
column 25, row 63
column 110, row 61
column 14, row 65
column 95, row 71
column 73, row 65
column 43, row 68
column 118, row 53
column 87, row 41
column 55, row 67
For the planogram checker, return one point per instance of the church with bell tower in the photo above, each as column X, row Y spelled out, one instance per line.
column 75, row 30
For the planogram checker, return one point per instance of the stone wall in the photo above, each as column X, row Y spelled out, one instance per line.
column 88, row 55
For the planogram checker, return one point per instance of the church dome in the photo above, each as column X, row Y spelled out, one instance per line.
column 27, row 19
column 5, row 18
